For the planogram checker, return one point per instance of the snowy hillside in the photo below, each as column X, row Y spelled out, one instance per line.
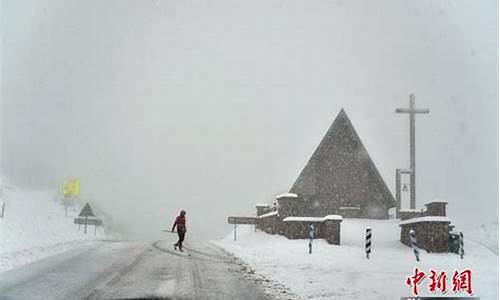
column 343, row 272
column 34, row 226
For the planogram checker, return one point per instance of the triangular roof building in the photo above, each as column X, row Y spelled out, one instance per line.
column 341, row 178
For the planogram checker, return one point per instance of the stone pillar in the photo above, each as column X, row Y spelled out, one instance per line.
column 288, row 204
column 331, row 231
column 262, row 208
column 436, row 208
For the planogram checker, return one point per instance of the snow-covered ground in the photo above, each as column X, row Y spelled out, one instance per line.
column 34, row 226
column 343, row 272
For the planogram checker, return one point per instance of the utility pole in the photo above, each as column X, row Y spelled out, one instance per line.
column 412, row 111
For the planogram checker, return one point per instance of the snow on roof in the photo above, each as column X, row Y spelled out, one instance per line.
column 273, row 213
column 411, row 210
column 436, row 201
column 303, row 219
column 425, row 219
column 332, row 217
column 349, row 207
column 312, row 219
column 262, row 205
column 287, row 195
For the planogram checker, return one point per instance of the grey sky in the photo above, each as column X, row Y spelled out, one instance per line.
column 212, row 106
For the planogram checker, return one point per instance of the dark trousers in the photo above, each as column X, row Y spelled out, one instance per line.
column 181, row 234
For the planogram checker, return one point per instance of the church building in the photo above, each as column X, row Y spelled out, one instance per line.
column 340, row 179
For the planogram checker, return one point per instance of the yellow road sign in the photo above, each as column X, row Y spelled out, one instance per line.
column 71, row 188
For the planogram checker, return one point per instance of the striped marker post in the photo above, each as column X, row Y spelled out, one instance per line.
column 413, row 239
column 311, row 237
column 368, row 242
column 461, row 245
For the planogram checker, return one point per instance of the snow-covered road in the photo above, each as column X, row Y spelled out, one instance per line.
column 125, row 270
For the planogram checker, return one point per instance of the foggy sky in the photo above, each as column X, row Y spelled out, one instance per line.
column 213, row 106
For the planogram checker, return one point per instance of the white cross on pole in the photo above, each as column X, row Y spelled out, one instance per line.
column 412, row 111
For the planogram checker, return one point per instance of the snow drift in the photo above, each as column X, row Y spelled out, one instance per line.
column 343, row 272
column 34, row 226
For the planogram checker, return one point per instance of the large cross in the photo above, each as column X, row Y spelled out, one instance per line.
column 412, row 111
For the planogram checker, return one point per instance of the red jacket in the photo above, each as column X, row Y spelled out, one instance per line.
column 180, row 222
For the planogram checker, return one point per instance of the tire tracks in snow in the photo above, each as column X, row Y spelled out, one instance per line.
column 273, row 289
column 111, row 279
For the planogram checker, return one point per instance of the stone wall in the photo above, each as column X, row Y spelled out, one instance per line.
column 324, row 228
column 431, row 227
column 435, row 208
column 269, row 224
column 409, row 214
column 273, row 220
column 300, row 229
column 432, row 233
column 313, row 206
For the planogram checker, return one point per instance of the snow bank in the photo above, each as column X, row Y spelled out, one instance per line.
column 437, row 200
column 312, row 219
column 332, row 217
column 34, row 226
column 426, row 219
column 343, row 272
column 302, row 219
column 269, row 214
column 287, row 195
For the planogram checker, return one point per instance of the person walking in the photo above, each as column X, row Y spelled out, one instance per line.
column 180, row 223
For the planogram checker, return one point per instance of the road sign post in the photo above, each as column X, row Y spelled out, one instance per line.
column 69, row 189
column 241, row 220
column 67, row 201
column 413, row 240
column 461, row 240
column 83, row 218
column 368, row 242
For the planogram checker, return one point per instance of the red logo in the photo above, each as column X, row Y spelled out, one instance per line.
column 438, row 281
column 415, row 280
column 462, row 281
